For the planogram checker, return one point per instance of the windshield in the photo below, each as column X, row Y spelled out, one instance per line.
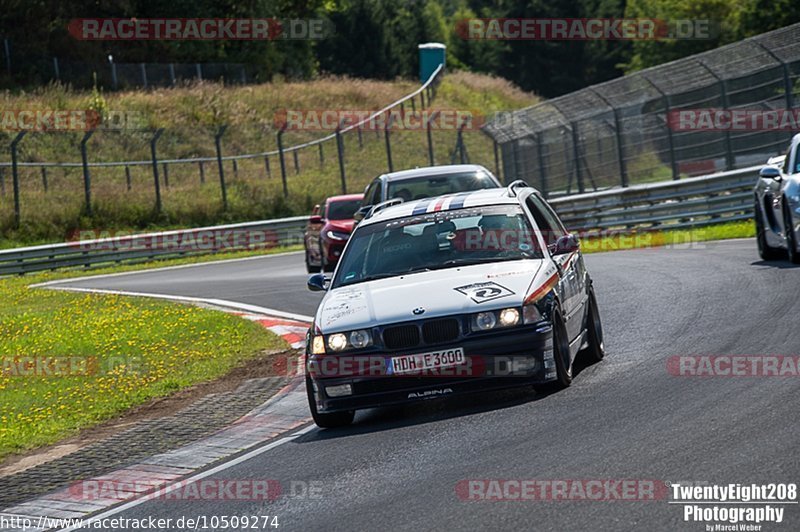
column 439, row 185
column 437, row 240
column 343, row 209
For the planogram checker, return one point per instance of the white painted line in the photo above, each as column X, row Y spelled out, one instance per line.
column 162, row 269
column 222, row 467
column 186, row 299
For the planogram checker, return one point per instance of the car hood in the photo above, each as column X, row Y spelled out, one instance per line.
column 345, row 226
column 439, row 293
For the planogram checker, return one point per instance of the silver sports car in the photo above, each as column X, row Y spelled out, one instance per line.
column 777, row 208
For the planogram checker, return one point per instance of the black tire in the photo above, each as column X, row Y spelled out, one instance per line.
column 327, row 421
column 791, row 237
column 596, row 350
column 765, row 251
column 324, row 266
column 309, row 267
column 561, row 353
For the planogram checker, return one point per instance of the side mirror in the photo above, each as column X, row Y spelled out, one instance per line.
column 567, row 244
column 361, row 212
column 770, row 172
column 318, row 282
column 315, row 219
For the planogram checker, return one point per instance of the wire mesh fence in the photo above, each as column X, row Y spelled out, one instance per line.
column 619, row 132
column 221, row 173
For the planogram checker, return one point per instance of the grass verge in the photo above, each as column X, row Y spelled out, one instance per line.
column 70, row 361
column 667, row 237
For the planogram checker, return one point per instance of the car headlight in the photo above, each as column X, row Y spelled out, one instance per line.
column 531, row 314
column 495, row 319
column 509, row 317
column 337, row 342
column 360, row 339
column 337, row 235
column 318, row 345
column 483, row 321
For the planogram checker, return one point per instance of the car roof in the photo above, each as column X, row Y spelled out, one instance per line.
column 448, row 202
column 433, row 170
column 344, row 197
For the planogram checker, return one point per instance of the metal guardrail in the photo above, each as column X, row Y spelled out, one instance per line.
column 132, row 249
column 699, row 201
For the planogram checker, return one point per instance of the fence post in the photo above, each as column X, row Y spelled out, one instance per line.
column 321, row 156
column 218, row 144
column 282, row 160
column 340, row 152
column 576, row 156
column 202, row 172
column 413, row 106
column 15, row 171
column 723, row 93
column 266, row 165
column 496, row 159
column 113, row 72
column 430, row 138
column 235, row 169
column 386, row 135
column 166, row 175
column 172, row 74
column 7, row 47
column 144, row 74
column 87, row 179
column 542, row 170
column 154, row 157
column 296, row 162
column 128, row 177
column 461, row 150
column 623, row 171
column 55, row 69
column 199, row 71
column 360, row 138
column 787, row 77
column 44, row 178
column 422, row 99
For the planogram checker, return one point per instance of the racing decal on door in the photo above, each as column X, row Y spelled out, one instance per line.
column 483, row 292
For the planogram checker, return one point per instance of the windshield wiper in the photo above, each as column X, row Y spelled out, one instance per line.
column 466, row 262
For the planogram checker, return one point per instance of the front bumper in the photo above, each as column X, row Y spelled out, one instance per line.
column 502, row 359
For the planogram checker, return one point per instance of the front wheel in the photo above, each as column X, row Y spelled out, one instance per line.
column 791, row 237
column 561, row 353
column 596, row 349
column 309, row 267
column 327, row 421
column 765, row 251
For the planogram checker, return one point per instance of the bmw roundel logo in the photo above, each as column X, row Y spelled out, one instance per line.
column 417, row 311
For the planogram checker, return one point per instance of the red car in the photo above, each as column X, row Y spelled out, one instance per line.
column 327, row 231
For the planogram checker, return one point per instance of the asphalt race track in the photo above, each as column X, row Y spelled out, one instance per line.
column 624, row 418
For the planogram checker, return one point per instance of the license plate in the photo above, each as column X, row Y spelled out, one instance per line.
column 422, row 362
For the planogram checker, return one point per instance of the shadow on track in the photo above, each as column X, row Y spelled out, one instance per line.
column 777, row 264
column 433, row 410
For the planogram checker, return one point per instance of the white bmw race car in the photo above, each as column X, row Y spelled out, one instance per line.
column 459, row 293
